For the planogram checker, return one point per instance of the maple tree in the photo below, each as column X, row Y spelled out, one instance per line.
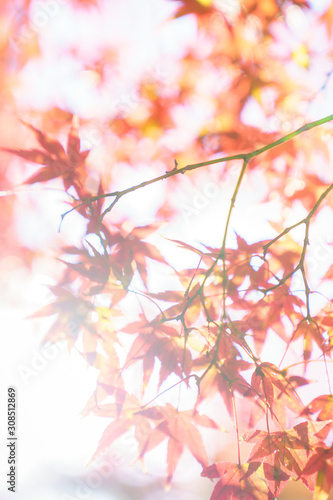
column 207, row 326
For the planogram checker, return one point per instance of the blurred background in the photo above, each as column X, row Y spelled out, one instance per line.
column 151, row 81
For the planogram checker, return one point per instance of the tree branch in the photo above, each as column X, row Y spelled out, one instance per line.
column 242, row 156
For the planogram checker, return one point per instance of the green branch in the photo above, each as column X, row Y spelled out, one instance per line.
column 242, row 156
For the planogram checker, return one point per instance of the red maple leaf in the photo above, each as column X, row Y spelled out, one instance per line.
column 57, row 162
column 237, row 482
column 193, row 7
column 286, row 451
column 323, row 405
column 180, row 430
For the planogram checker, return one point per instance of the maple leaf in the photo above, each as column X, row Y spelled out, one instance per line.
column 187, row 303
column 93, row 213
column 87, row 3
column 69, row 166
column 268, row 11
column 224, row 376
column 73, row 314
column 327, row 19
column 94, row 266
column 152, row 426
column 323, row 405
column 232, row 86
column 128, row 249
column 268, row 313
column 198, row 7
column 276, row 389
column 241, row 138
column 237, row 482
column 285, row 398
column 306, row 195
column 286, row 451
column 311, row 332
column 275, row 476
column 239, row 265
column 178, row 427
column 320, row 464
column 125, row 413
column 160, row 341
column 207, row 257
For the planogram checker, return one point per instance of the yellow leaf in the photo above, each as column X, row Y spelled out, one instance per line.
column 301, row 56
column 322, row 489
column 205, row 3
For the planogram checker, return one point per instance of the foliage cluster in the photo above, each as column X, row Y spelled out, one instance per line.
column 209, row 333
